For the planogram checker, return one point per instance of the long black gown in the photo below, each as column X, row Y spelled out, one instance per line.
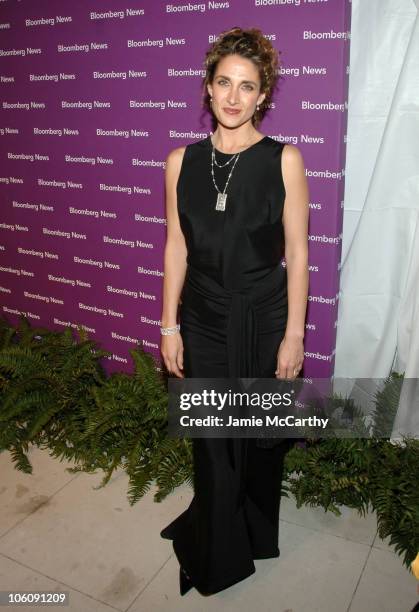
column 233, row 315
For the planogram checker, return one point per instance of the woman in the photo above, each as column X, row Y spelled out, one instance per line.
column 237, row 202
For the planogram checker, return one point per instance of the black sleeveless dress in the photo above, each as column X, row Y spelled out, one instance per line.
column 233, row 315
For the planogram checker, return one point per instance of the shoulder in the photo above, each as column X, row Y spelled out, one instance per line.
column 175, row 156
column 292, row 163
column 192, row 150
column 289, row 153
column 291, row 156
column 174, row 162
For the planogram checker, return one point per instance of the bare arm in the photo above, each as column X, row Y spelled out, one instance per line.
column 295, row 221
column 174, row 266
column 175, row 248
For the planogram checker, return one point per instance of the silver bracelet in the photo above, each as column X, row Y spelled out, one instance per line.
column 168, row 331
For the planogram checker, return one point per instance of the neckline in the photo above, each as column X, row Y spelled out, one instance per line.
column 243, row 151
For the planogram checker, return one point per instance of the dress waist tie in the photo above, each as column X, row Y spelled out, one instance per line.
column 242, row 347
column 242, row 333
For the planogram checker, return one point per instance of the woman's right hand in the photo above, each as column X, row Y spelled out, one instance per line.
column 172, row 351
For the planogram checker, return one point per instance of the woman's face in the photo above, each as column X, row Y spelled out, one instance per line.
column 235, row 86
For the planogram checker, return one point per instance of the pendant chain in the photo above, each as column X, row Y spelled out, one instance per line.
column 227, row 162
column 222, row 196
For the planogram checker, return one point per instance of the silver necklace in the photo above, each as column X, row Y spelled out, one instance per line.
column 222, row 196
column 227, row 162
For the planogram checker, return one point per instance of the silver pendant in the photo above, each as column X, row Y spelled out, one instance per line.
column 221, row 201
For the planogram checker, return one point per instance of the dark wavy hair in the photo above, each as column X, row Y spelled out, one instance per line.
column 250, row 44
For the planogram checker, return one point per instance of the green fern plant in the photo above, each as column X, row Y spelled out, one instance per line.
column 44, row 376
column 55, row 395
column 364, row 473
column 386, row 405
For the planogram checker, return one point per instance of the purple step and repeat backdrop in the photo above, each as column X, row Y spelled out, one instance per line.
column 94, row 96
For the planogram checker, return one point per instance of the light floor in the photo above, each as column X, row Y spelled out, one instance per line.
column 59, row 534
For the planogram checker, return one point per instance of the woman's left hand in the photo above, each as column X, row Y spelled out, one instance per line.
column 290, row 357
